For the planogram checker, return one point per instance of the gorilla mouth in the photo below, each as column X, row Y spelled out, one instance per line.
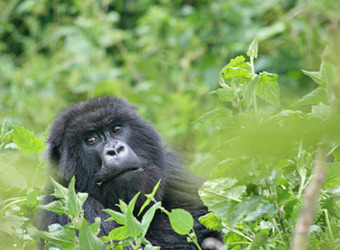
column 107, row 176
column 129, row 171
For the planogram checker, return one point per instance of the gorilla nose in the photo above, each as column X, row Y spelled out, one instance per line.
column 116, row 150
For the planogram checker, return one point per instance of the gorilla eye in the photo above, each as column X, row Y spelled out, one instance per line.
column 116, row 129
column 90, row 140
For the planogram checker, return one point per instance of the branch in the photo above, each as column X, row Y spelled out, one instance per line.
column 301, row 236
column 311, row 199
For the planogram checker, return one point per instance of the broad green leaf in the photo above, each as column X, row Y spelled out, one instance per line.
column 26, row 141
column 261, row 210
column 134, row 227
column 119, row 233
column 239, row 76
column 73, row 205
column 61, row 236
column 181, row 221
column 247, row 206
column 253, row 49
column 116, row 216
column 313, row 98
column 217, row 195
column 225, row 94
column 211, row 221
column 81, row 197
column 267, row 88
column 236, row 71
column 60, row 191
column 238, row 62
column 315, row 75
column 54, row 206
column 87, row 239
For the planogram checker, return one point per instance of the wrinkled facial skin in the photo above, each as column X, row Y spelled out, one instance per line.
column 116, row 157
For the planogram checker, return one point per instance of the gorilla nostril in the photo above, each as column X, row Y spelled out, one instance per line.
column 120, row 149
column 111, row 152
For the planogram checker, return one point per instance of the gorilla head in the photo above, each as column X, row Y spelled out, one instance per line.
column 109, row 148
column 114, row 154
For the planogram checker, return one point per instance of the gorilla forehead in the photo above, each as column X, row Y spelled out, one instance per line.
column 99, row 114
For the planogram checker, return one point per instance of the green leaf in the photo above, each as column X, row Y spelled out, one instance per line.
column 217, row 195
column 237, row 71
column 261, row 210
column 60, row 191
column 123, row 206
column 95, row 227
column 54, row 206
column 61, row 236
column 181, row 221
column 116, row 216
column 324, row 76
column 148, row 216
column 225, row 94
column 151, row 247
column 133, row 201
column 134, row 227
column 315, row 75
column 247, row 206
column 327, row 72
column 249, row 89
column 26, row 141
column 211, row 221
column 267, row 88
column 74, row 202
column 319, row 111
column 119, row 233
column 149, row 197
column 253, row 49
column 313, row 98
column 87, row 239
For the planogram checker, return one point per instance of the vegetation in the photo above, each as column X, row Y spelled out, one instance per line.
column 266, row 140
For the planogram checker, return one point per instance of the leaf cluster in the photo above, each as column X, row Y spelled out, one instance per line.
column 266, row 156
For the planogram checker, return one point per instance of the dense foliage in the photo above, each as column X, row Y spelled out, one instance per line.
column 258, row 142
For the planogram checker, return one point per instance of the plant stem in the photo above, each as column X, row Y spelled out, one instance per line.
column 308, row 211
column 328, row 224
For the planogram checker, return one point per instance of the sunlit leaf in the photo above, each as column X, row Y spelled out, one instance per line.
column 26, row 141
column 181, row 221
column 87, row 239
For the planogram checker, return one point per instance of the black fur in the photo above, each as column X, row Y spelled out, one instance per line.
column 67, row 158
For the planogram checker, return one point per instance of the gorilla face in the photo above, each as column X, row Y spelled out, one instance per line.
column 117, row 159
column 112, row 151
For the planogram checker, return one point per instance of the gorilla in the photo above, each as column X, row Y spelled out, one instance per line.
column 114, row 153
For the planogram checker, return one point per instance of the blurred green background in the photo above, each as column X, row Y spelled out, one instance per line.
column 164, row 56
